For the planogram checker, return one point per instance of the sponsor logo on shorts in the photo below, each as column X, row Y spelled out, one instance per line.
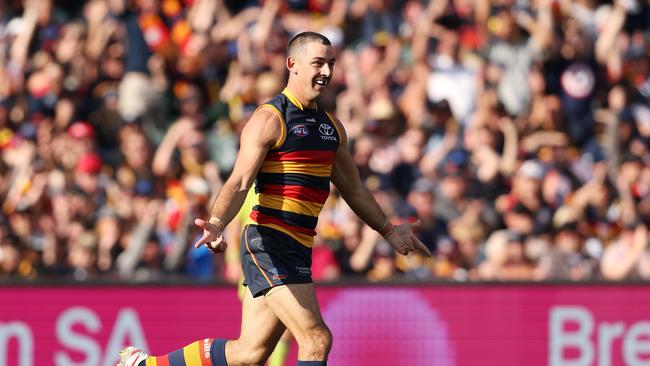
column 300, row 130
column 304, row 271
column 311, row 120
column 277, row 275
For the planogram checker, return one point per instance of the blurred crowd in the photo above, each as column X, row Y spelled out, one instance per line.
column 516, row 131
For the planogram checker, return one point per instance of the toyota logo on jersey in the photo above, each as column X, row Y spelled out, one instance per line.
column 326, row 129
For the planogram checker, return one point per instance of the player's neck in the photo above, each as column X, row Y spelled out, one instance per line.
column 297, row 92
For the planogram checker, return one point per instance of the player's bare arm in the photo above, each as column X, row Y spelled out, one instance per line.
column 261, row 132
column 345, row 177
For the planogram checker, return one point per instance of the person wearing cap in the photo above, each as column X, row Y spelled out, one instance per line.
column 81, row 130
column 451, row 198
column 526, row 196
column 87, row 180
column 80, row 138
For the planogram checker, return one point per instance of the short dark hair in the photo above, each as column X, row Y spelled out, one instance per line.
column 300, row 40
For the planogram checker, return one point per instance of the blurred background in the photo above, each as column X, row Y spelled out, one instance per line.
column 518, row 131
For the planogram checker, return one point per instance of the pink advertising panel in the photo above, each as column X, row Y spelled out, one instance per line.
column 379, row 326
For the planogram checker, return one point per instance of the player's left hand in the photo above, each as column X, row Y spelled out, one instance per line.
column 212, row 236
column 402, row 239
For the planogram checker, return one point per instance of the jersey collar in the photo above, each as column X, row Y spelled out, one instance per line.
column 292, row 98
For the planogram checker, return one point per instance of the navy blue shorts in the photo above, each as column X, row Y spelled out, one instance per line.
column 271, row 258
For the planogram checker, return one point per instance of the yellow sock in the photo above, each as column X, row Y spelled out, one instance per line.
column 279, row 354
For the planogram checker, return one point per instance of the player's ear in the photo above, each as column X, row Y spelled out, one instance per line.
column 291, row 65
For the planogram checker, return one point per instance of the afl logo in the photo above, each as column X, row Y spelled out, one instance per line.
column 326, row 129
column 300, row 130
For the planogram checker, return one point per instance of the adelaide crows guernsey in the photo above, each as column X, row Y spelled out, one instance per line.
column 293, row 181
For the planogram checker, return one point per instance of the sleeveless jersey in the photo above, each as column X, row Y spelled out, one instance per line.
column 293, row 181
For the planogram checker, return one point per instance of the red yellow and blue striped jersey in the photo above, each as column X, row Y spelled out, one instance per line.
column 293, row 181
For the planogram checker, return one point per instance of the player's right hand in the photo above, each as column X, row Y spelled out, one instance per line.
column 211, row 238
